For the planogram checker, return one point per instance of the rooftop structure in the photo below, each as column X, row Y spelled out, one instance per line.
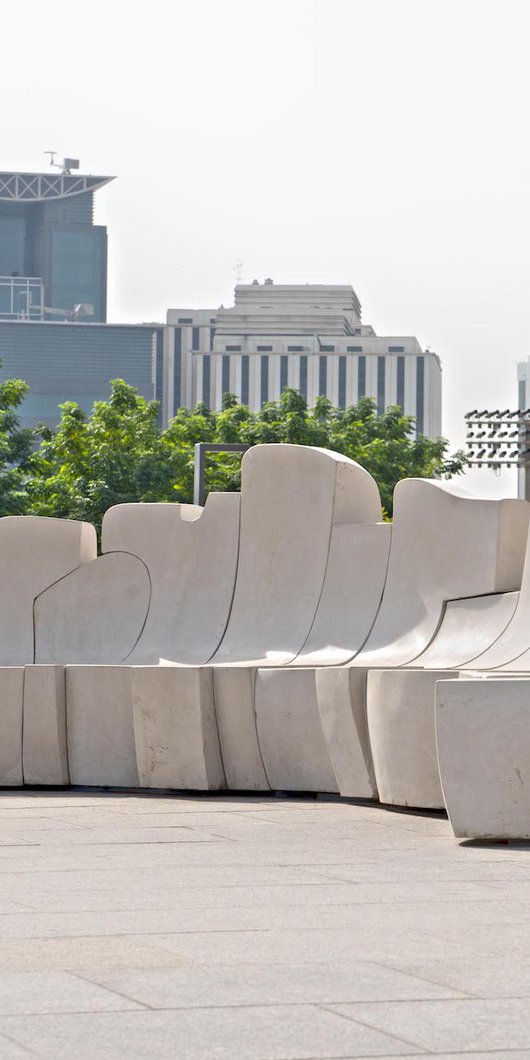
column 53, row 258
column 307, row 336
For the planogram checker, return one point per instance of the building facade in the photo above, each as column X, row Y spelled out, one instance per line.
column 76, row 362
column 309, row 337
column 53, row 258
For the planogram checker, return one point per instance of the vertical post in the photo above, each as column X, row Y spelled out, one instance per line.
column 526, row 436
column 198, row 474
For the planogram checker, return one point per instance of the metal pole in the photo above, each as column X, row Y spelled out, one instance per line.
column 198, row 474
column 201, row 448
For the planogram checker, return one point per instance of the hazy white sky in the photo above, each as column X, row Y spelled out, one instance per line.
column 382, row 143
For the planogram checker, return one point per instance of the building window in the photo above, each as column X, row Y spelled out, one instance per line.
column 354, row 349
column 206, row 377
column 322, row 376
column 233, row 349
column 195, row 339
column 327, row 349
column 361, row 386
column 212, row 336
column 177, row 369
column 303, row 376
column 264, row 380
column 400, row 397
column 264, row 349
column 380, row 385
column 342, row 382
column 284, row 372
column 396, row 349
column 420, row 393
column 244, row 379
column 295, row 349
column 185, row 320
column 225, row 380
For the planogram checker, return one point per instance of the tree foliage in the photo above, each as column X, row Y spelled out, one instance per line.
column 119, row 453
column 16, row 447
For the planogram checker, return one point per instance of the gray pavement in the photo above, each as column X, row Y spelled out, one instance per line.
column 277, row 929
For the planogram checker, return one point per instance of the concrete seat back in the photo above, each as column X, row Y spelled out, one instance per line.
column 291, row 499
column 34, row 553
column 191, row 555
column 446, row 544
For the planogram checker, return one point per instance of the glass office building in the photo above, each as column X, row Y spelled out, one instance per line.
column 52, row 255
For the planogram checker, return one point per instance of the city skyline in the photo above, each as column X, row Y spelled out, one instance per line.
column 368, row 143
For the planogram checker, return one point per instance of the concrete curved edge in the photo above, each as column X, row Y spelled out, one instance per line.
column 191, row 554
column 34, row 553
column 95, row 614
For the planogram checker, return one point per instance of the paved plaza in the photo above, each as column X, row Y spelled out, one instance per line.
column 146, row 925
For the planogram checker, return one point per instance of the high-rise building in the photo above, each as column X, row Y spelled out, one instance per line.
column 53, row 258
column 308, row 336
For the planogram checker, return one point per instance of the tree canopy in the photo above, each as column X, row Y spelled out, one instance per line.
column 16, row 447
column 119, row 453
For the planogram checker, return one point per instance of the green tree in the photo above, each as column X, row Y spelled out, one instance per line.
column 119, row 453
column 16, row 445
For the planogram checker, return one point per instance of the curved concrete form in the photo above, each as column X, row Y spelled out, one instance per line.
column 191, row 555
column 400, row 702
column 292, row 498
column 34, row 553
column 483, row 736
column 445, row 545
column 286, row 699
column 96, row 614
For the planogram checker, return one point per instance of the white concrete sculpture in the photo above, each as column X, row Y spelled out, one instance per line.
column 292, row 499
column 485, row 634
column 178, row 614
column 445, row 545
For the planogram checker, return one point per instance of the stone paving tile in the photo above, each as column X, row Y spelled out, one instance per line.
column 291, row 1032
column 194, row 986
column 449, row 1026
column 320, row 946
column 33, row 993
column 73, row 954
column 486, row 977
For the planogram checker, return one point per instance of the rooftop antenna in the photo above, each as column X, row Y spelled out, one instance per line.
column 68, row 163
column 238, row 271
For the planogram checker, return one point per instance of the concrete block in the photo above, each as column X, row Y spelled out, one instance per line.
column 11, row 698
column 341, row 696
column 236, row 721
column 100, row 727
column 44, row 744
column 291, row 739
column 175, row 729
column 401, row 728
column 483, row 739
